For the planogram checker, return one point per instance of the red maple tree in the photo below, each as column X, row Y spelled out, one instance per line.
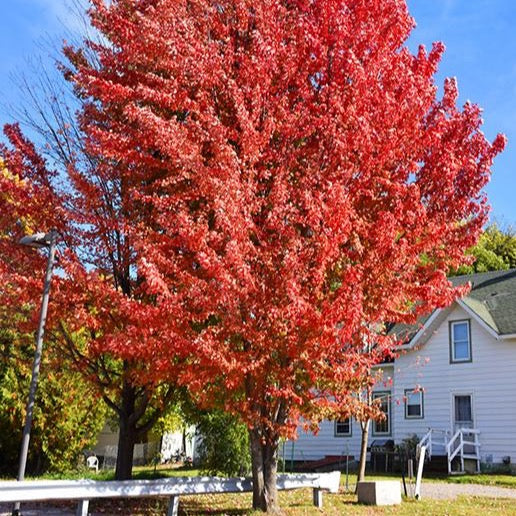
column 95, row 300
column 294, row 183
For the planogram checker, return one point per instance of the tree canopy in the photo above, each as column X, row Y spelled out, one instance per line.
column 495, row 250
column 268, row 183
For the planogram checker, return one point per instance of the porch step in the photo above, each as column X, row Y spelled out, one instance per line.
column 463, row 446
column 437, row 464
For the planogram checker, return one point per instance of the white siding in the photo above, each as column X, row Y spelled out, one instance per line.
column 490, row 378
column 310, row 447
column 106, row 437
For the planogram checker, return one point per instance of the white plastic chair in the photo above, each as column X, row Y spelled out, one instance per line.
column 93, row 463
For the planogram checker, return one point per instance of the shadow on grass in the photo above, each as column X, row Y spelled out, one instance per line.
column 189, row 511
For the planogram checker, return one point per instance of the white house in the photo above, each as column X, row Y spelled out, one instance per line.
column 454, row 385
column 167, row 447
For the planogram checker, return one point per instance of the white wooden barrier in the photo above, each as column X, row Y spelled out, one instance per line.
column 86, row 490
column 420, row 464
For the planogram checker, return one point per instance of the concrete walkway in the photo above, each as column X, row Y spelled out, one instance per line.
column 443, row 491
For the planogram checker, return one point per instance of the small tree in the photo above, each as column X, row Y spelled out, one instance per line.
column 68, row 416
column 224, row 444
column 367, row 409
column 96, row 298
column 495, row 250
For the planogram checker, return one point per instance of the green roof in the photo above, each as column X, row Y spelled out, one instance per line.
column 492, row 298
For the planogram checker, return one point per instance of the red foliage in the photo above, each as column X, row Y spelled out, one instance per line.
column 298, row 175
column 289, row 183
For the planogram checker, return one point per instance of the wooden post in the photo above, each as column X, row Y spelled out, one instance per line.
column 173, row 506
column 417, row 492
column 318, row 502
column 82, row 508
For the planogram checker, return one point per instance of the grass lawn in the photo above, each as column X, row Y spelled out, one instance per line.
column 485, row 480
column 298, row 502
column 139, row 473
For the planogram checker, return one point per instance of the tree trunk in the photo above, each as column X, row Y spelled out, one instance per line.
column 183, row 443
column 364, row 425
column 264, row 458
column 363, row 451
column 125, row 452
column 127, row 433
column 132, row 407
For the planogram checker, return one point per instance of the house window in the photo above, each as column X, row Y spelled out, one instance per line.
column 460, row 341
column 383, row 427
column 413, row 404
column 343, row 427
column 463, row 411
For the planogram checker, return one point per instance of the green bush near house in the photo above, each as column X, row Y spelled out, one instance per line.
column 224, row 448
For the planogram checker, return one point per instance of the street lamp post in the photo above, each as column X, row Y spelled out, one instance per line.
column 38, row 241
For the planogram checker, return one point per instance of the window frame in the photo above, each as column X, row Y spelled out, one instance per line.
column 381, row 394
column 451, row 325
column 463, row 394
column 421, row 404
column 343, row 434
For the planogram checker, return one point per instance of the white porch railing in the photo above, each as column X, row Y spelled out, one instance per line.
column 458, row 447
column 464, row 444
column 435, row 440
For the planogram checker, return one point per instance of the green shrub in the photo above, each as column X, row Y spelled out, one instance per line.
column 224, row 448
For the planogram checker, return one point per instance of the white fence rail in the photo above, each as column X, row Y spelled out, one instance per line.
column 86, row 490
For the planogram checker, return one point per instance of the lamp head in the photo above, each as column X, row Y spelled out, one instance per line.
column 37, row 240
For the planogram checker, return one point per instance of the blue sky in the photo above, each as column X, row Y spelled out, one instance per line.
column 480, row 39
column 479, row 35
